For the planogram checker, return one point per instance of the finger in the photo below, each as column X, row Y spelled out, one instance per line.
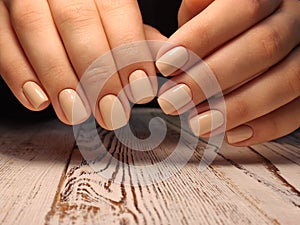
column 274, row 125
column 16, row 70
column 270, row 41
column 153, row 34
column 41, row 42
column 85, row 41
column 190, row 8
column 210, row 29
column 123, row 25
column 257, row 98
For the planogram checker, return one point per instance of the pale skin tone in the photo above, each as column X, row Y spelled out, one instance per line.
column 52, row 43
column 230, row 42
column 42, row 45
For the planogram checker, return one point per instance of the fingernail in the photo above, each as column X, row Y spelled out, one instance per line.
column 206, row 122
column 72, row 106
column 35, row 94
column 239, row 134
column 112, row 112
column 175, row 98
column 173, row 60
column 141, row 87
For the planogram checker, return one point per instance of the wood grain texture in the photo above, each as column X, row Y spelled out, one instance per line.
column 33, row 158
column 45, row 180
column 257, row 185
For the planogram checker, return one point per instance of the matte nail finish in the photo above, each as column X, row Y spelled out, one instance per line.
column 112, row 112
column 35, row 94
column 175, row 98
column 239, row 134
column 206, row 122
column 173, row 60
column 141, row 87
column 72, row 106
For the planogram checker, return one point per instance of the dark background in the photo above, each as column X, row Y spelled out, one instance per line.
column 161, row 14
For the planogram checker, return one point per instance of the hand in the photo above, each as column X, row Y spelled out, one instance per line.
column 253, row 49
column 46, row 46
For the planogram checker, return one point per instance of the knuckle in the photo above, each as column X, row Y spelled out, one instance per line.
column 207, row 37
column 108, row 5
column 54, row 71
column 29, row 19
column 99, row 72
column 77, row 13
column 271, row 43
column 258, row 9
column 240, row 108
column 254, row 8
column 10, row 70
column 98, row 75
column 116, row 8
column 293, row 79
column 96, row 78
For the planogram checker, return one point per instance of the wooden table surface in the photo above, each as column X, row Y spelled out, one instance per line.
column 45, row 180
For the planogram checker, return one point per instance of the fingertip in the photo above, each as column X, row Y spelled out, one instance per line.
column 35, row 95
column 113, row 113
column 71, row 109
column 175, row 98
column 141, row 87
column 239, row 135
column 171, row 60
column 153, row 34
column 190, row 8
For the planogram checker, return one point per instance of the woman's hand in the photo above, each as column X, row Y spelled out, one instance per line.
column 253, row 49
column 46, row 46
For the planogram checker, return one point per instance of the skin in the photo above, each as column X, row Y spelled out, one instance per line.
column 41, row 42
column 53, row 42
column 256, row 46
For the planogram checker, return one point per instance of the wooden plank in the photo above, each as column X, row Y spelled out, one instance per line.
column 260, row 179
column 243, row 186
column 33, row 158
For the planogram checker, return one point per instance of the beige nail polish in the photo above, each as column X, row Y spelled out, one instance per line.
column 112, row 112
column 206, row 122
column 239, row 134
column 72, row 106
column 141, row 87
column 175, row 98
column 173, row 60
column 35, row 94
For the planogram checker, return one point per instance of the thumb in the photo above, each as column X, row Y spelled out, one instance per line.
column 190, row 8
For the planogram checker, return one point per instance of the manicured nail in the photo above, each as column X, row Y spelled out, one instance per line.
column 239, row 134
column 173, row 60
column 175, row 98
column 112, row 112
column 35, row 94
column 141, row 87
column 72, row 106
column 206, row 122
